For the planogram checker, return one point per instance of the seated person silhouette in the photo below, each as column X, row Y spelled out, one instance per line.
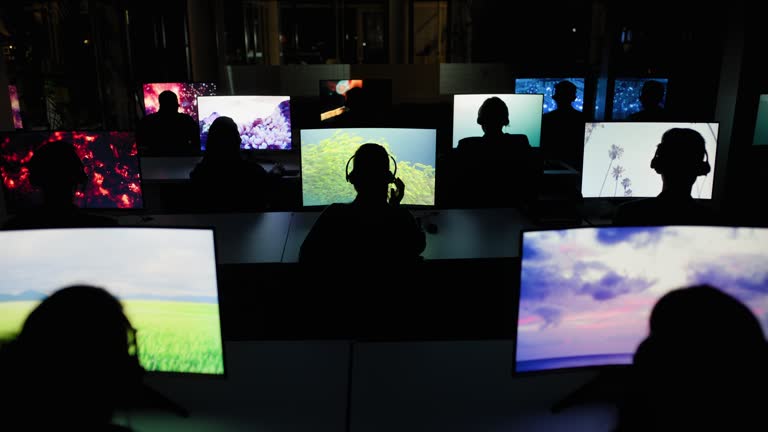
column 71, row 366
column 562, row 130
column 371, row 230
column 168, row 132
column 650, row 98
column 497, row 169
column 57, row 171
column 703, row 367
column 680, row 158
column 223, row 180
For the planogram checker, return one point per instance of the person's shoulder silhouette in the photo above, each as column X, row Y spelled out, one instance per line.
column 72, row 365
column 497, row 169
column 57, row 171
column 223, row 179
column 700, row 368
column 168, row 132
column 680, row 158
column 562, row 129
column 651, row 97
column 373, row 229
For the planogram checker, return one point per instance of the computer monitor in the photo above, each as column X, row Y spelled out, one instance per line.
column 264, row 121
column 761, row 123
column 617, row 158
column 333, row 95
column 325, row 152
column 15, row 107
column 586, row 293
column 524, row 116
column 546, row 86
column 165, row 279
column 626, row 96
column 110, row 160
column 186, row 92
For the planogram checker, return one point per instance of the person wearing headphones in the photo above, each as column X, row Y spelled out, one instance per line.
column 497, row 169
column 57, row 171
column 680, row 158
column 374, row 226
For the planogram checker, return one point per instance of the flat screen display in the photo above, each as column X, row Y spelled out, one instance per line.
column 110, row 159
column 264, row 121
column 617, row 159
column 325, row 152
column 546, row 87
column 186, row 92
column 164, row 278
column 586, row 294
column 524, row 116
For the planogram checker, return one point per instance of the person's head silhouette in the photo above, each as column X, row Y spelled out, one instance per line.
column 565, row 94
column 76, row 357
column 651, row 95
column 680, row 158
column 493, row 115
column 370, row 173
column 703, row 358
column 169, row 102
column 57, row 171
column 223, row 139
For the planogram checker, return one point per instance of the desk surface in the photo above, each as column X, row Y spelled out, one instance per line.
column 243, row 238
column 240, row 237
column 178, row 168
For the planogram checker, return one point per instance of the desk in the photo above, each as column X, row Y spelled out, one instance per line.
column 462, row 233
column 240, row 237
column 167, row 168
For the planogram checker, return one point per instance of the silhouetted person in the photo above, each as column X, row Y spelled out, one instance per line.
column 57, row 171
column 372, row 229
column 73, row 364
column 562, row 129
column 701, row 368
column 168, row 132
column 497, row 169
column 223, row 180
column 680, row 158
column 650, row 98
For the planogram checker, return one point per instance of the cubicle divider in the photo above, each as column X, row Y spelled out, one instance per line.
column 457, row 299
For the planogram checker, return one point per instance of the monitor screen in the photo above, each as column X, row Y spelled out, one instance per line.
column 586, row 294
column 546, row 86
column 524, row 116
column 15, row 107
column 761, row 123
column 110, row 160
column 264, row 121
column 626, row 96
column 325, row 152
column 165, row 279
column 617, row 158
column 333, row 94
column 186, row 92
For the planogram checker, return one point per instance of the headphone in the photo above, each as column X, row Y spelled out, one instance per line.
column 659, row 163
column 352, row 176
